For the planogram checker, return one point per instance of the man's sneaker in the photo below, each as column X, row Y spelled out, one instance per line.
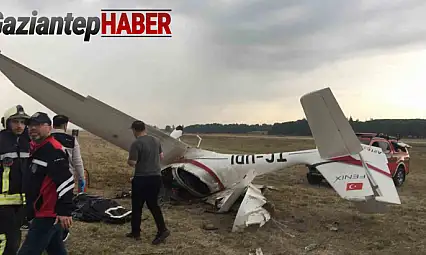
column 65, row 235
column 131, row 235
column 160, row 237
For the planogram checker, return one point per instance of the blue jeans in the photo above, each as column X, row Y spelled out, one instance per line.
column 43, row 235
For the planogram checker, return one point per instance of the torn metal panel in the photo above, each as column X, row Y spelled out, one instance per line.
column 251, row 210
column 216, row 197
column 237, row 190
column 227, row 200
column 195, row 171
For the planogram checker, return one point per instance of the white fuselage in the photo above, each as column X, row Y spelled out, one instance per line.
column 220, row 171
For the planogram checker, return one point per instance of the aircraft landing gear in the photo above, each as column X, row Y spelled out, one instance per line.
column 314, row 176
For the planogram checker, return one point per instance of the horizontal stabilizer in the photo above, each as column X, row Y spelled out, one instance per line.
column 347, row 177
column 357, row 177
column 377, row 164
column 364, row 180
column 330, row 129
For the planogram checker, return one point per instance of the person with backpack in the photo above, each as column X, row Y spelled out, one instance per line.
column 72, row 147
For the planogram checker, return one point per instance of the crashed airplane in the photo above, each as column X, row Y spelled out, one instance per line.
column 226, row 177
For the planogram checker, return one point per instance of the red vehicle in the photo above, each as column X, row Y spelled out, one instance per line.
column 395, row 150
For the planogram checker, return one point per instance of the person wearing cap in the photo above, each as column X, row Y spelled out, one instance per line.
column 14, row 154
column 60, row 124
column 145, row 155
column 49, row 192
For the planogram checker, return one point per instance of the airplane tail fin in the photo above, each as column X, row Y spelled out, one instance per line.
column 357, row 172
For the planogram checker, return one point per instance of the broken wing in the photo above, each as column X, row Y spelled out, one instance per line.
column 86, row 112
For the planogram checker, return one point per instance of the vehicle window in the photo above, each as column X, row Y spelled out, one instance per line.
column 396, row 147
column 364, row 141
column 385, row 146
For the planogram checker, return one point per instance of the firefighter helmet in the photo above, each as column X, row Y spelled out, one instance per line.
column 15, row 112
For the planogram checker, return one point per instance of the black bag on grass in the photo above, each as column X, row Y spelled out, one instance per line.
column 90, row 208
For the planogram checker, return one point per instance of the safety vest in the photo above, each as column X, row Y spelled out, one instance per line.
column 14, row 154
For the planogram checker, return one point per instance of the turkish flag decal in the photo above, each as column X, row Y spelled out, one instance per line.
column 354, row 186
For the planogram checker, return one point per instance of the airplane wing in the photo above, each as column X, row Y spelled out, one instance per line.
column 86, row 112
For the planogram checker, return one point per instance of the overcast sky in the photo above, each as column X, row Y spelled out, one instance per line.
column 236, row 61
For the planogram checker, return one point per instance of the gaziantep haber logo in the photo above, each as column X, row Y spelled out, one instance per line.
column 111, row 23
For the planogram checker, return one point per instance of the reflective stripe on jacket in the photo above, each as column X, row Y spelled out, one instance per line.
column 14, row 154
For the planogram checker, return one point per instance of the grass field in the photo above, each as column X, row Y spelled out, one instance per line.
column 305, row 216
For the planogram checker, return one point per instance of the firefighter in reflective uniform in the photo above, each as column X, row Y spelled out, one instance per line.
column 14, row 154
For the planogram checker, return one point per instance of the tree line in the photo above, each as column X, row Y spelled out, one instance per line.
column 409, row 128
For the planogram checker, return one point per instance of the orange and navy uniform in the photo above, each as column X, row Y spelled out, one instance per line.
column 50, row 191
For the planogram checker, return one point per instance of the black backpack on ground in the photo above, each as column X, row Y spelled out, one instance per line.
column 90, row 208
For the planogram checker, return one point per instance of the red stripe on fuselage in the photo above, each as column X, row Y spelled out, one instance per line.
column 352, row 161
column 204, row 167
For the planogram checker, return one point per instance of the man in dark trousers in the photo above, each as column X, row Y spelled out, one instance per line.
column 49, row 190
column 14, row 154
column 145, row 155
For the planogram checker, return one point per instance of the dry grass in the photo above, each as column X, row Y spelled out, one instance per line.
column 306, row 211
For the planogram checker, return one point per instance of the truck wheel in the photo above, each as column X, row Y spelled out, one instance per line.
column 399, row 176
column 313, row 179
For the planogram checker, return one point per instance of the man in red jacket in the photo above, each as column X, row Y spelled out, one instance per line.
column 49, row 190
